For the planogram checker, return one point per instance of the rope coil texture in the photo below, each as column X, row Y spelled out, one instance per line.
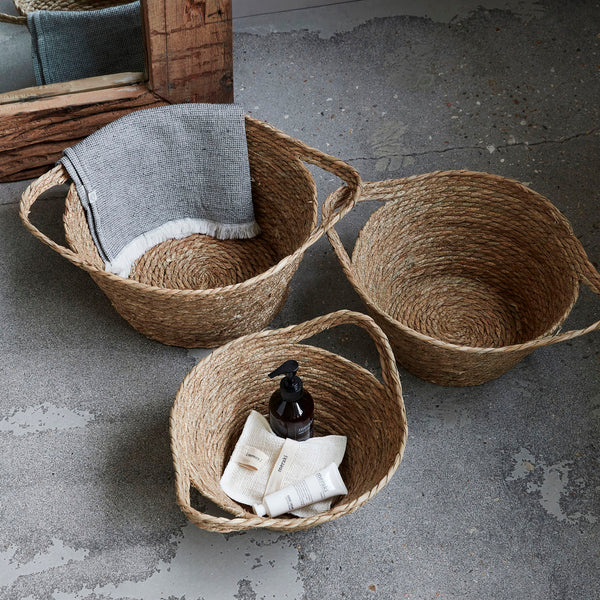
column 26, row 6
column 203, row 292
column 211, row 407
column 466, row 272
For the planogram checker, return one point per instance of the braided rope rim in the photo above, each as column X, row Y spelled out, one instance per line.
column 389, row 190
column 292, row 333
column 27, row 6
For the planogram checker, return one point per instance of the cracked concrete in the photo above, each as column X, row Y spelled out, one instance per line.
column 498, row 495
column 562, row 140
column 490, row 149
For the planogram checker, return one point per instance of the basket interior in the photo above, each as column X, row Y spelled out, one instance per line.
column 214, row 402
column 472, row 260
column 285, row 206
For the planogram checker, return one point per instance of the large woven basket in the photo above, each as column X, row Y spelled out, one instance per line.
column 203, row 292
column 26, row 6
column 466, row 272
column 215, row 398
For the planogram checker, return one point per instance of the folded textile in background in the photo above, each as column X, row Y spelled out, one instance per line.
column 162, row 173
column 262, row 463
column 67, row 45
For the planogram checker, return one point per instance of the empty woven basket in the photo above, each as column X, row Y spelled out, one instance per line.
column 203, row 292
column 215, row 398
column 26, row 6
column 466, row 272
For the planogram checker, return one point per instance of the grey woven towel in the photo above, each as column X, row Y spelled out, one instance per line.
column 67, row 45
column 162, row 173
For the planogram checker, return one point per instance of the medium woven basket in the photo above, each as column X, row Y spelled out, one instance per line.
column 467, row 273
column 26, row 6
column 203, row 292
column 215, row 398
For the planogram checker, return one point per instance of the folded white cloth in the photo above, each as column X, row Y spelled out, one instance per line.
column 263, row 463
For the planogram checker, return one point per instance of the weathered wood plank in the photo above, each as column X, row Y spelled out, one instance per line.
column 33, row 134
column 190, row 42
column 71, row 87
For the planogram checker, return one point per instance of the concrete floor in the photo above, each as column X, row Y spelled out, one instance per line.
column 498, row 495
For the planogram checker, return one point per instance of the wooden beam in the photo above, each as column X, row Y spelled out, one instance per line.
column 71, row 87
column 190, row 42
column 33, row 134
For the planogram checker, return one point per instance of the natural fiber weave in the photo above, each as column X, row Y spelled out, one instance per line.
column 215, row 398
column 466, row 272
column 203, row 292
column 27, row 6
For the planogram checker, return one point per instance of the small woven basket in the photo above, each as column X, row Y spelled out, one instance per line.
column 215, row 398
column 467, row 273
column 200, row 291
column 24, row 7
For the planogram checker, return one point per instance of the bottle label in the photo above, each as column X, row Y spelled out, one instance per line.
column 282, row 464
column 301, row 431
column 251, row 458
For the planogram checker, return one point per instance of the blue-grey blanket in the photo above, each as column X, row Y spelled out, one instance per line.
column 161, row 173
column 68, row 45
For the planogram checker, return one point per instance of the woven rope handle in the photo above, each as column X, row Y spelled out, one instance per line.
column 330, row 206
column 295, row 334
column 57, row 176
column 589, row 275
column 326, row 162
column 302, row 331
column 15, row 20
column 370, row 190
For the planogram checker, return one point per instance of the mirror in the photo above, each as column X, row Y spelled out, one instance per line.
column 92, row 38
column 38, row 122
column 16, row 67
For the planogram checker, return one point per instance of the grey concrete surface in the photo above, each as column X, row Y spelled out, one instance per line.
column 498, row 495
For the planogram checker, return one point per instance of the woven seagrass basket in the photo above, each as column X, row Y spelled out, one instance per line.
column 215, row 398
column 467, row 273
column 203, row 292
column 26, row 6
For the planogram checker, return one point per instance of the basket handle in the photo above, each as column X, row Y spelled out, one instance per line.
column 57, row 176
column 302, row 331
column 330, row 205
column 15, row 20
column 388, row 190
column 588, row 275
column 326, row 162
column 294, row 334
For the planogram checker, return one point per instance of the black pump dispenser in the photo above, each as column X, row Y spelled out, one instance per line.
column 291, row 385
column 291, row 408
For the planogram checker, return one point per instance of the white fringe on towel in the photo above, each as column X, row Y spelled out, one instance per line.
column 177, row 229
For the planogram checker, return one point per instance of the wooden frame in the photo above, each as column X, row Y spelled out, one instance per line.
column 188, row 46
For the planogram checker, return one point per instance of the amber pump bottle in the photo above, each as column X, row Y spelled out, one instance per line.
column 291, row 408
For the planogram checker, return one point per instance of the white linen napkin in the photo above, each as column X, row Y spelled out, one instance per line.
column 262, row 463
